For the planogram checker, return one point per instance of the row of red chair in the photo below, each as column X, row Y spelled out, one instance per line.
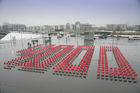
column 125, row 67
column 28, row 49
column 84, row 63
column 103, row 68
column 124, row 70
column 37, row 52
column 12, row 61
column 50, row 52
column 47, row 62
column 66, row 66
column 40, row 50
column 15, row 61
column 38, row 57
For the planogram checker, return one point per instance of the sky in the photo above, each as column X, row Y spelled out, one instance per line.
column 53, row 12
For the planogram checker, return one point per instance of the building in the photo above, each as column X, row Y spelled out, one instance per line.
column 19, row 27
column 130, row 27
column 77, row 26
column 111, row 27
column 116, row 27
column 43, row 28
column 30, row 28
column 34, row 28
column 68, row 27
column 7, row 27
column 82, row 27
column 47, row 28
column 123, row 27
column 85, row 27
column 137, row 27
column 56, row 27
column 88, row 38
column 1, row 28
column 14, row 27
column 73, row 27
column 62, row 27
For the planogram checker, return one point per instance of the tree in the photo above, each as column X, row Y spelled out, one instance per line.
column 121, row 33
column 113, row 33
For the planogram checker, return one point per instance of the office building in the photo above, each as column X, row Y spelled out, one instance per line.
column 116, row 27
column 137, row 27
column 14, row 27
column 68, row 27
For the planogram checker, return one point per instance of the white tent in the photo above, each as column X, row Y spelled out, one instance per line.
column 18, row 36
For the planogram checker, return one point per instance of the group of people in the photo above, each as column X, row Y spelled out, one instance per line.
column 29, row 45
column 33, row 42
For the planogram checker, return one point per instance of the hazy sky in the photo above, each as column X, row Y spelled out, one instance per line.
column 50, row 12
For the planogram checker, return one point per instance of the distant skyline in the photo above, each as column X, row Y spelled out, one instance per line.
column 53, row 12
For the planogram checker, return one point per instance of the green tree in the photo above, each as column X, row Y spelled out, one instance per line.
column 121, row 33
column 113, row 33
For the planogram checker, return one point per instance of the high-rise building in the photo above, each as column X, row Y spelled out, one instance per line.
column 123, row 27
column 47, row 28
column 56, row 27
column 73, row 27
column 35, row 28
column 1, row 28
column 14, row 27
column 19, row 27
column 130, row 27
column 85, row 27
column 30, row 28
column 77, row 26
column 62, row 27
column 116, row 27
column 82, row 27
column 52, row 28
column 68, row 27
column 7, row 27
column 137, row 27
column 88, row 38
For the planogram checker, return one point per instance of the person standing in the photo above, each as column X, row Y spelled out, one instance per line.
column 33, row 43
column 28, row 44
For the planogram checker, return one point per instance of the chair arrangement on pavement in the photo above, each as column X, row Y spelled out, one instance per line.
column 60, row 59
column 67, row 68
column 123, row 72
